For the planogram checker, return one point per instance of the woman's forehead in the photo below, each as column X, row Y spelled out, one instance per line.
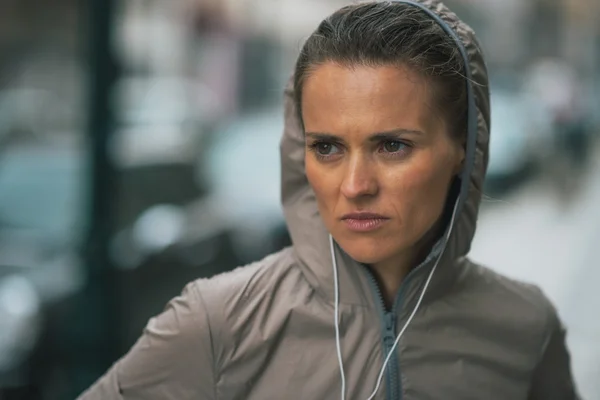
column 339, row 99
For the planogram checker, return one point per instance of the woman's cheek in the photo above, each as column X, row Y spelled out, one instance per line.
column 317, row 180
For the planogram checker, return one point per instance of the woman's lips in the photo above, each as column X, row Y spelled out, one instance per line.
column 364, row 222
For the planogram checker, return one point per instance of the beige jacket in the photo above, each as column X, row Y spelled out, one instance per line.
column 266, row 331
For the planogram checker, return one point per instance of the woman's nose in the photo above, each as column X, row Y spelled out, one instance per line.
column 359, row 180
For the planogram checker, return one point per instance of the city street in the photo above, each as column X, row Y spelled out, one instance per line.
column 532, row 236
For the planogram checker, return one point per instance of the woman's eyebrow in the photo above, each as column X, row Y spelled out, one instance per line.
column 375, row 137
column 322, row 136
column 393, row 134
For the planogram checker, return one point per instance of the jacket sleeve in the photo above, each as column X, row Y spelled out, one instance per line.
column 173, row 359
column 552, row 378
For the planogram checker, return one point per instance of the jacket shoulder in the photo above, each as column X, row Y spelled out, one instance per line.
column 246, row 281
column 530, row 321
column 526, row 295
column 520, row 310
column 236, row 299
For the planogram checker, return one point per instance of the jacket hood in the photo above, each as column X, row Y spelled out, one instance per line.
column 310, row 237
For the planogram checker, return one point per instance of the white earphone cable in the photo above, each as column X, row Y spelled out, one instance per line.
column 338, row 341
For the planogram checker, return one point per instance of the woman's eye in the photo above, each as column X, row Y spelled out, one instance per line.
column 393, row 146
column 326, row 149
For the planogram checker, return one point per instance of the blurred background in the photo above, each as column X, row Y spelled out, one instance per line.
column 139, row 151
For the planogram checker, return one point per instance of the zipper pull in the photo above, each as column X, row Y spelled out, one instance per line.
column 389, row 336
column 390, row 321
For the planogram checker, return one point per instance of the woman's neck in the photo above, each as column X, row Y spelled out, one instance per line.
column 389, row 275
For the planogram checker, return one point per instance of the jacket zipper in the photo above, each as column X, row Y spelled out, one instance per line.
column 393, row 367
column 388, row 319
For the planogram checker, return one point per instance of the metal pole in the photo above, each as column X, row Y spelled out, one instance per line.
column 94, row 326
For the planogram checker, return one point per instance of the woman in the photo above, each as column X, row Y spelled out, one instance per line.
column 384, row 154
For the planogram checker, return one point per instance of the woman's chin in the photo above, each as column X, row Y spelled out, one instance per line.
column 364, row 252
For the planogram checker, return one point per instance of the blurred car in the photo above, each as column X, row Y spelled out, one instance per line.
column 40, row 227
column 30, row 113
column 157, row 120
column 167, row 247
column 520, row 140
column 241, row 170
column 156, row 144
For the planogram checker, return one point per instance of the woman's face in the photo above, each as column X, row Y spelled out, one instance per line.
column 378, row 158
